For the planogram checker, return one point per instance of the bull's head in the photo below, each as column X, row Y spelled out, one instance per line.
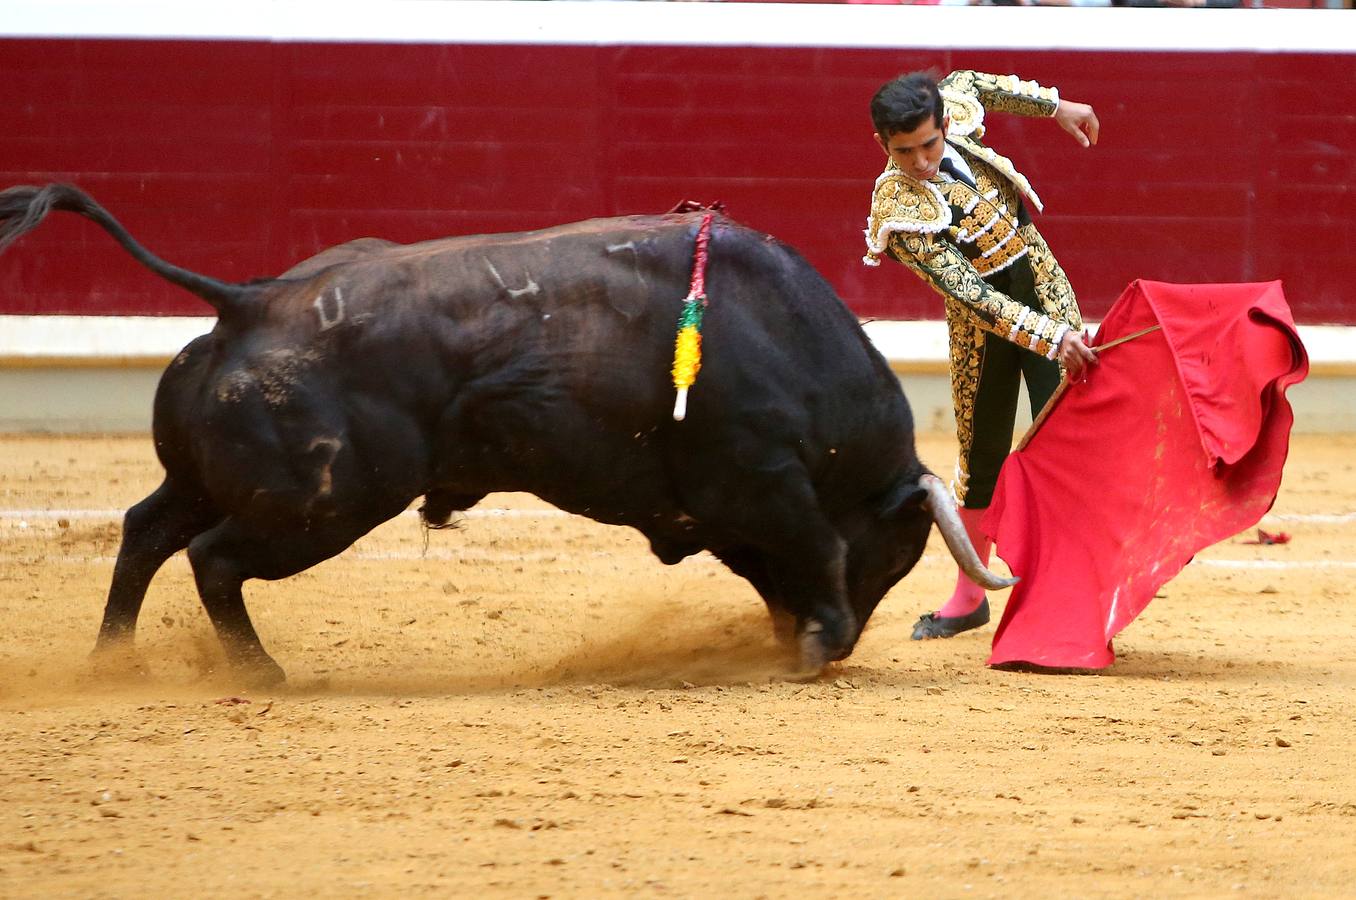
column 885, row 547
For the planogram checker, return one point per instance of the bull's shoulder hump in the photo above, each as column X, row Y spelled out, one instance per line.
column 602, row 232
column 615, row 229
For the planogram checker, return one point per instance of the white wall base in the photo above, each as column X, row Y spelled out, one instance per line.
column 71, row 374
column 72, row 400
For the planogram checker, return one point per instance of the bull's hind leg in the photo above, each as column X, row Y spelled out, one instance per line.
column 152, row 531
column 232, row 553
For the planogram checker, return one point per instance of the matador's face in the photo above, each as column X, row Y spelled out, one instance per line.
column 918, row 152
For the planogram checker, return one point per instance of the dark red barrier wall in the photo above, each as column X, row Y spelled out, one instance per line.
column 237, row 159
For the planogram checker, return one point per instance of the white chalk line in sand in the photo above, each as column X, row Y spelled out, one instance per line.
column 1276, row 563
column 115, row 515
column 434, row 554
column 21, row 517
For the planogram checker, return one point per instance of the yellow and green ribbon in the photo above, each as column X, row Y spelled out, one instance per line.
column 687, row 346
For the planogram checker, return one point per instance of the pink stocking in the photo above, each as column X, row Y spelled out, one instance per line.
column 968, row 595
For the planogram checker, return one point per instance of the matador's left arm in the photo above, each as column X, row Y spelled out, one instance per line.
column 1001, row 93
column 965, row 89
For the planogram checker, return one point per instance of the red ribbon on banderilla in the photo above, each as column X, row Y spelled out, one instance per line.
column 687, row 348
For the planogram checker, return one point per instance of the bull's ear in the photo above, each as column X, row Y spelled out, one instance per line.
column 902, row 497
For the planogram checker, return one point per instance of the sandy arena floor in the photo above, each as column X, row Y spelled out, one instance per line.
column 533, row 706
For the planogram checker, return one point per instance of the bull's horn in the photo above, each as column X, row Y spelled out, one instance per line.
column 943, row 510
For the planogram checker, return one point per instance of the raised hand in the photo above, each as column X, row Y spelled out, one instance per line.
column 1079, row 120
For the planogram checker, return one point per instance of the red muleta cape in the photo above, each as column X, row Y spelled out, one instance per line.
column 1175, row 441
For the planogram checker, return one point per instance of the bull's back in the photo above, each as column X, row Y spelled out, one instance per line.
column 585, row 315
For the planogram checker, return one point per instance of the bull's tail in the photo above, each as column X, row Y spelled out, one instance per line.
column 23, row 207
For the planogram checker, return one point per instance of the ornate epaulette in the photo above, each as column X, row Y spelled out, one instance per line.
column 966, row 113
column 902, row 203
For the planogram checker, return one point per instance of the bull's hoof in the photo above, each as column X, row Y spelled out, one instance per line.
column 814, row 653
column 931, row 625
column 116, row 660
column 260, row 672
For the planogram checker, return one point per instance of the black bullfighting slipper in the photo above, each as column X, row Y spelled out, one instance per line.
column 931, row 625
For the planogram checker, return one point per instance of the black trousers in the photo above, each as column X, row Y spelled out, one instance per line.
column 1003, row 365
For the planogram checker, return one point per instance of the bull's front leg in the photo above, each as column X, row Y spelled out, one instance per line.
column 152, row 531
column 801, row 577
column 751, row 564
column 788, row 549
column 815, row 592
column 805, row 562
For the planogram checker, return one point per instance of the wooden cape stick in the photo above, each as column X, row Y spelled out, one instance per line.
column 1064, row 386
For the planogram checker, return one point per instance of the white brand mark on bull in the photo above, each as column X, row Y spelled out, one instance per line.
column 326, row 322
column 531, row 287
column 329, row 448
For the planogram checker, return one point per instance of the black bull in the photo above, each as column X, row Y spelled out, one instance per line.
column 327, row 399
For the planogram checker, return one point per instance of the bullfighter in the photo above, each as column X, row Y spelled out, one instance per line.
column 956, row 213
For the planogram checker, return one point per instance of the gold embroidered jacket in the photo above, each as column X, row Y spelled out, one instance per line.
column 953, row 236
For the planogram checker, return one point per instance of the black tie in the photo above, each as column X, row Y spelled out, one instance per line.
column 949, row 167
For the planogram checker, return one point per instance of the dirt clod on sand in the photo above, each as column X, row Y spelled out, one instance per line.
column 531, row 705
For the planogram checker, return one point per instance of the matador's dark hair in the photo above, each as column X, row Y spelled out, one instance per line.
column 905, row 102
